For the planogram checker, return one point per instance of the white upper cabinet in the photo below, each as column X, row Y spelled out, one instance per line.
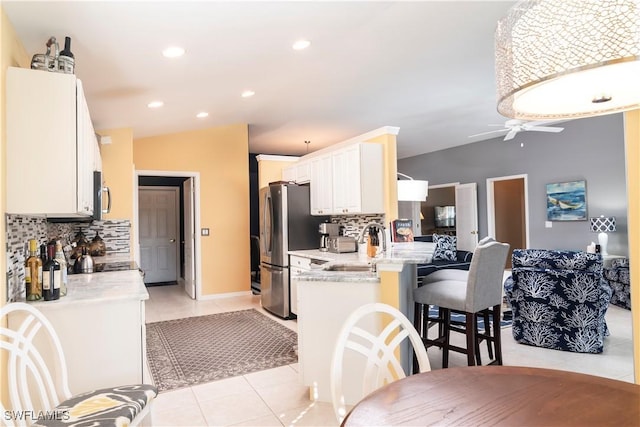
column 299, row 172
column 289, row 174
column 50, row 145
column 350, row 183
column 321, row 185
column 303, row 172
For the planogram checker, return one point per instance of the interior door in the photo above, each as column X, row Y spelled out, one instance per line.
column 467, row 216
column 158, row 233
column 189, row 239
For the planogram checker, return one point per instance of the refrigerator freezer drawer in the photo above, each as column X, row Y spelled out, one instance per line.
column 274, row 284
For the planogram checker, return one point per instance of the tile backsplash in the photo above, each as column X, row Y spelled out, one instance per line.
column 116, row 233
column 353, row 224
column 20, row 228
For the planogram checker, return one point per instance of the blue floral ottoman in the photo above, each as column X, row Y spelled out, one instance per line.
column 618, row 277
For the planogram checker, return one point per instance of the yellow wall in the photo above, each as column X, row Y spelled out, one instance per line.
column 389, row 143
column 221, row 156
column 12, row 54
column 632, row 146
column 390, row 281
column 118, row 173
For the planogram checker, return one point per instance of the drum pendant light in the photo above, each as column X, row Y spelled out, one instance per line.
column 566, row 59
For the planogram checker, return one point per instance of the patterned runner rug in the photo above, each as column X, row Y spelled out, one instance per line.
column 195, row 350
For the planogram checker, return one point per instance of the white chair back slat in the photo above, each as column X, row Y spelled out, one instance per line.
column 31, row 383
column 382, row 365
column 26, row 366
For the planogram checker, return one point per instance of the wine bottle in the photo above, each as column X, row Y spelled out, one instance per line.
column 33, row 273
column 67, row 48
column 59, row 256
column 66, row 61
column 51, row 276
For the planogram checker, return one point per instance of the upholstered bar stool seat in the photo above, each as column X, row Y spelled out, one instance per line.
column 470, row 293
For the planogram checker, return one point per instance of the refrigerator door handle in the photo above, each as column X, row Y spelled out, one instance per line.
column 267, row 215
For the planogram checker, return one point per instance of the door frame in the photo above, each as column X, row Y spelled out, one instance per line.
column 196, row 218
column 491, row 211
column 178, row 218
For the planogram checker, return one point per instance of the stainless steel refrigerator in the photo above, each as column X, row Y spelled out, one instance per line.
column 286, row 224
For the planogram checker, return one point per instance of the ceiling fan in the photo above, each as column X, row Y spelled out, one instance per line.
column 513, row 126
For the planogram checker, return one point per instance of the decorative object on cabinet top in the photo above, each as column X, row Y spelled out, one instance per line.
column 59, row 62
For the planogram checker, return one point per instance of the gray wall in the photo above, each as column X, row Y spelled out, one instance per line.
column 588, row 149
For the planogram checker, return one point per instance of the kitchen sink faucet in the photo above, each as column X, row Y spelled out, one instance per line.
column 379, row 227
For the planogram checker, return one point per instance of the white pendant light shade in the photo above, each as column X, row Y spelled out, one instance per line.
column 564, row 59
column 412, row 190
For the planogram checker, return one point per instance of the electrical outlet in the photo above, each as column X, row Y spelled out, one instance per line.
column 548, row 224
column 204, row 232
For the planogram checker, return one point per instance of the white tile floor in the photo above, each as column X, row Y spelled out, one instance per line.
column 275, row 398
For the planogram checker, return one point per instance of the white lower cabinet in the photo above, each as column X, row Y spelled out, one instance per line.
column 297, row 265
column 104, row 343
column 323, row 308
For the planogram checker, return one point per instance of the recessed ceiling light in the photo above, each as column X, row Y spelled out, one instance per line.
column 301, row 44
column 173, row 52
column 248, row 93
column 155, row 104
column 202, row 115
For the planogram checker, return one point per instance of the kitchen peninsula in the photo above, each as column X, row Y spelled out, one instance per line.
column 328, row 293
column 101, row 326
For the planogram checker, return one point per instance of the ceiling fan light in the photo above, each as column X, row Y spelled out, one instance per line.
column 565, row 59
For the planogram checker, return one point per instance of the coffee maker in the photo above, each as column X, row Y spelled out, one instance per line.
column 326, row 230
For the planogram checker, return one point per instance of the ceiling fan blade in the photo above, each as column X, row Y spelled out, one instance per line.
column 512, row 133
column 488, row 133
column 545, row 129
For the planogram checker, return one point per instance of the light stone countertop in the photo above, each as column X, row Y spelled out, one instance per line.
column 394, row 259
column 101, row 288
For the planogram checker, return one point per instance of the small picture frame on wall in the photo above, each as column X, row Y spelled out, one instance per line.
column 567, row 201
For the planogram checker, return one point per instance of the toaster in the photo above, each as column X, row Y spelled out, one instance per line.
column 342, row 244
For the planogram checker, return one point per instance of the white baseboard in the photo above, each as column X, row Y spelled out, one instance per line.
column 226, row 295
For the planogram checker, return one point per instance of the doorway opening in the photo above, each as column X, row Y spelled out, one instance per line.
column 452, row 209
column 166, row 217
column 508, row 211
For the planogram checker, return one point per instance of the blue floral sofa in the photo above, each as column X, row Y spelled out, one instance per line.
column 559, row 299
column 618, row 277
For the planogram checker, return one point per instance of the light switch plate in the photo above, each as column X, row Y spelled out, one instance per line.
column 204, row 232
column 548, row 224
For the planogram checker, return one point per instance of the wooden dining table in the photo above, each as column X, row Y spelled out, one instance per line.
column 500, row 396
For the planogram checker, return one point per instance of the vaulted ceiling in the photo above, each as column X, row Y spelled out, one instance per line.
column 426, row 67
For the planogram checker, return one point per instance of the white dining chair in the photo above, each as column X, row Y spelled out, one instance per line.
column 38, row 383
column 379, row 351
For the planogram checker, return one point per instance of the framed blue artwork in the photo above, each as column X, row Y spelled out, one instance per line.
column 567, row 201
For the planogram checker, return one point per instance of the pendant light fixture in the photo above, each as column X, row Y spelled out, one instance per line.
column 412, row 190
column 566, row 59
